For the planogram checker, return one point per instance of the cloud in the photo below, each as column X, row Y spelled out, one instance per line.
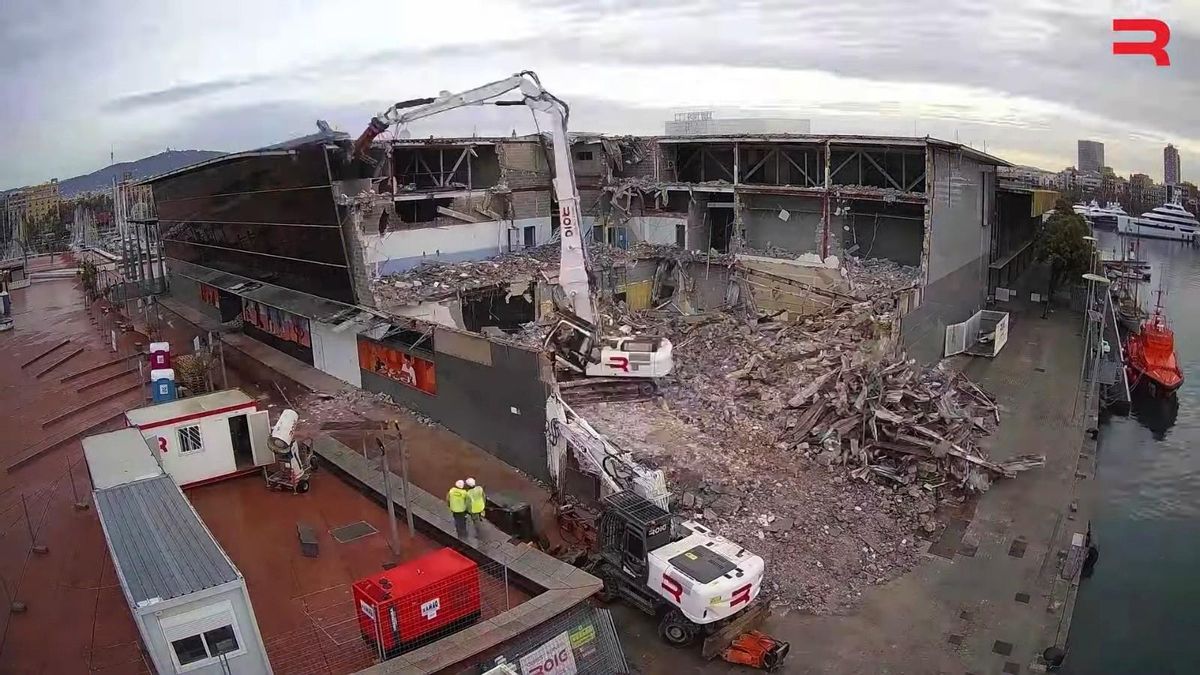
column 179, row 93
column 1029, row 76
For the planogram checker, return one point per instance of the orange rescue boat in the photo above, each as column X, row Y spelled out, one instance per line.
column 1150, row 355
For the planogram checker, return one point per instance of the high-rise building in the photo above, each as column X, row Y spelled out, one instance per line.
column 1091, row 156
column 1171, row 165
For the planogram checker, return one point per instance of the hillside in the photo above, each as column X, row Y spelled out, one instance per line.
column 142, row 168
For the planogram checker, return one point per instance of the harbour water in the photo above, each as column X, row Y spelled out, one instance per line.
column 1137, row 613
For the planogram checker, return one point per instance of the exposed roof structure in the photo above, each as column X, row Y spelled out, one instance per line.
column 159, row 545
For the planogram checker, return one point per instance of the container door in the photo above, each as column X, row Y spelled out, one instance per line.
column 956, row 338
column 1001, row 334
column 260, row 430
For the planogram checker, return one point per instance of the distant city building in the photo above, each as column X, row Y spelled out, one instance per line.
column 1171, row 167
column 1029, row 176
column 28, row 206
column 1189, row 196
column 1089, row 180
column 1091, row 156
column 702, row 123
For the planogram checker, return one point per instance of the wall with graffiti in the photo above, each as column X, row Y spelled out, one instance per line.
column 389, row 362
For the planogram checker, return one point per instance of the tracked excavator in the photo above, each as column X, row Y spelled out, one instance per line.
column 576, row 340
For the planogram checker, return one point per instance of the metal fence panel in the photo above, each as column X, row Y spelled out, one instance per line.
column 580, row 641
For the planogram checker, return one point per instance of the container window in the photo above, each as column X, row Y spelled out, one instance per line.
column 201, row 637
column 189, row 439
column 189, row 650
column 221, row 640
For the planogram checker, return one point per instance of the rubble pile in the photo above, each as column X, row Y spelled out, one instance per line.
column 824, row 386
column 812, row 437
column 825, row 537
column 436, row 279
column 870, row 277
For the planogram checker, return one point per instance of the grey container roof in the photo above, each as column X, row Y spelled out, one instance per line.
column 160, row 547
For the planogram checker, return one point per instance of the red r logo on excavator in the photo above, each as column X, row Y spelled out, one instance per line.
column 740, row 597
column 162, row 443
column 618, row 363
column 673, row 588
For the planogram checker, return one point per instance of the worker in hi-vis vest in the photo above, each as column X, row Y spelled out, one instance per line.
column 456, row 499
column 476, row 503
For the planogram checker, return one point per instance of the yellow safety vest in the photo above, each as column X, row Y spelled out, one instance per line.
column 478, row 501
column 457, row 499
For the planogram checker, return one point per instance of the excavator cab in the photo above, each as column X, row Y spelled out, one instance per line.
column 576, row 346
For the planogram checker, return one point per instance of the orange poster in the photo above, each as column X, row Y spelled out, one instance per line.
column 394, row 364
column 209, row 294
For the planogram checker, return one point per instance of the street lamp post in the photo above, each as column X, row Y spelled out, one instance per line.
column 1092, row 351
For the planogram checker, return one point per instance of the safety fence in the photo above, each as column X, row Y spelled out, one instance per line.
column 583, row 640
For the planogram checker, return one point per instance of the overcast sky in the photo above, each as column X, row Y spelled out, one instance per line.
column 79, row 79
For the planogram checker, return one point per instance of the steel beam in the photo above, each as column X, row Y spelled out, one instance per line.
column 883, row 171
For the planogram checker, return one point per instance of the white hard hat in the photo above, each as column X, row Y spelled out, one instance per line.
column 458, row 484
column 470, row 482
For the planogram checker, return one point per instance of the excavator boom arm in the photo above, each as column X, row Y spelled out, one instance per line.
column 573, row 275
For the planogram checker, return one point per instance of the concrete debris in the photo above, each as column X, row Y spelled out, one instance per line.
column 813, row 422
column 435, row 280
column 871, row 276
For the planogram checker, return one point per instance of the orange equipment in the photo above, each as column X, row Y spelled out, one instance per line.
column 757, row 650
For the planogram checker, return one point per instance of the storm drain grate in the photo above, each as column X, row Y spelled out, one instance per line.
column 1022, row 597
column 1002, row 648
column 955, row 640
column 1017, row 550
column 348, row 533
column 1012, row 667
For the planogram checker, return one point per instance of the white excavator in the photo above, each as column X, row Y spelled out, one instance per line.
column 575, row 340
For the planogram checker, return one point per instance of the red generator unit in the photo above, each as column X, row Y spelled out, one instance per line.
column 418, row 602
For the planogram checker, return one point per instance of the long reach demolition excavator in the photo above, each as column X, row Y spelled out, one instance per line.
column 698, row 584
column 575, row 340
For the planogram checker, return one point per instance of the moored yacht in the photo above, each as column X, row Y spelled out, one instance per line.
column 1169, row 221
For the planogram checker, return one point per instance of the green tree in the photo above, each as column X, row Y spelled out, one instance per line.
column 1062, row 246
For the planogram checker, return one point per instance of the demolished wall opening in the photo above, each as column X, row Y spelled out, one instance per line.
column 781, row 165
column 720, row 214
column 446, row 167
column 420, row 210
column 887, row 168
column 704, row 162
column 893, row 231
column 792, row 223
column 499, row 307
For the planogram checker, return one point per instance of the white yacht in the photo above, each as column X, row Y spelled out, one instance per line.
column 1169, row 221
column 1104, row 217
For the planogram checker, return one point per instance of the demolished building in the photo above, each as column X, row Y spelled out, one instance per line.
column 769, row 261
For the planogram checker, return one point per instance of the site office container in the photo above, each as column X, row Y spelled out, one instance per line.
column 418, row 602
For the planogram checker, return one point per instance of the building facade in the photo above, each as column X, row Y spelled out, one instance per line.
column 703, row 123
column 28, row 207
column 1171, row 167
column 1091, row 156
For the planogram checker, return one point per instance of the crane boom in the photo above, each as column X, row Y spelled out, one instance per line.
column 573, row 274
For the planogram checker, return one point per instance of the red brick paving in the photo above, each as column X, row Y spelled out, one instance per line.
column 77, row 619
